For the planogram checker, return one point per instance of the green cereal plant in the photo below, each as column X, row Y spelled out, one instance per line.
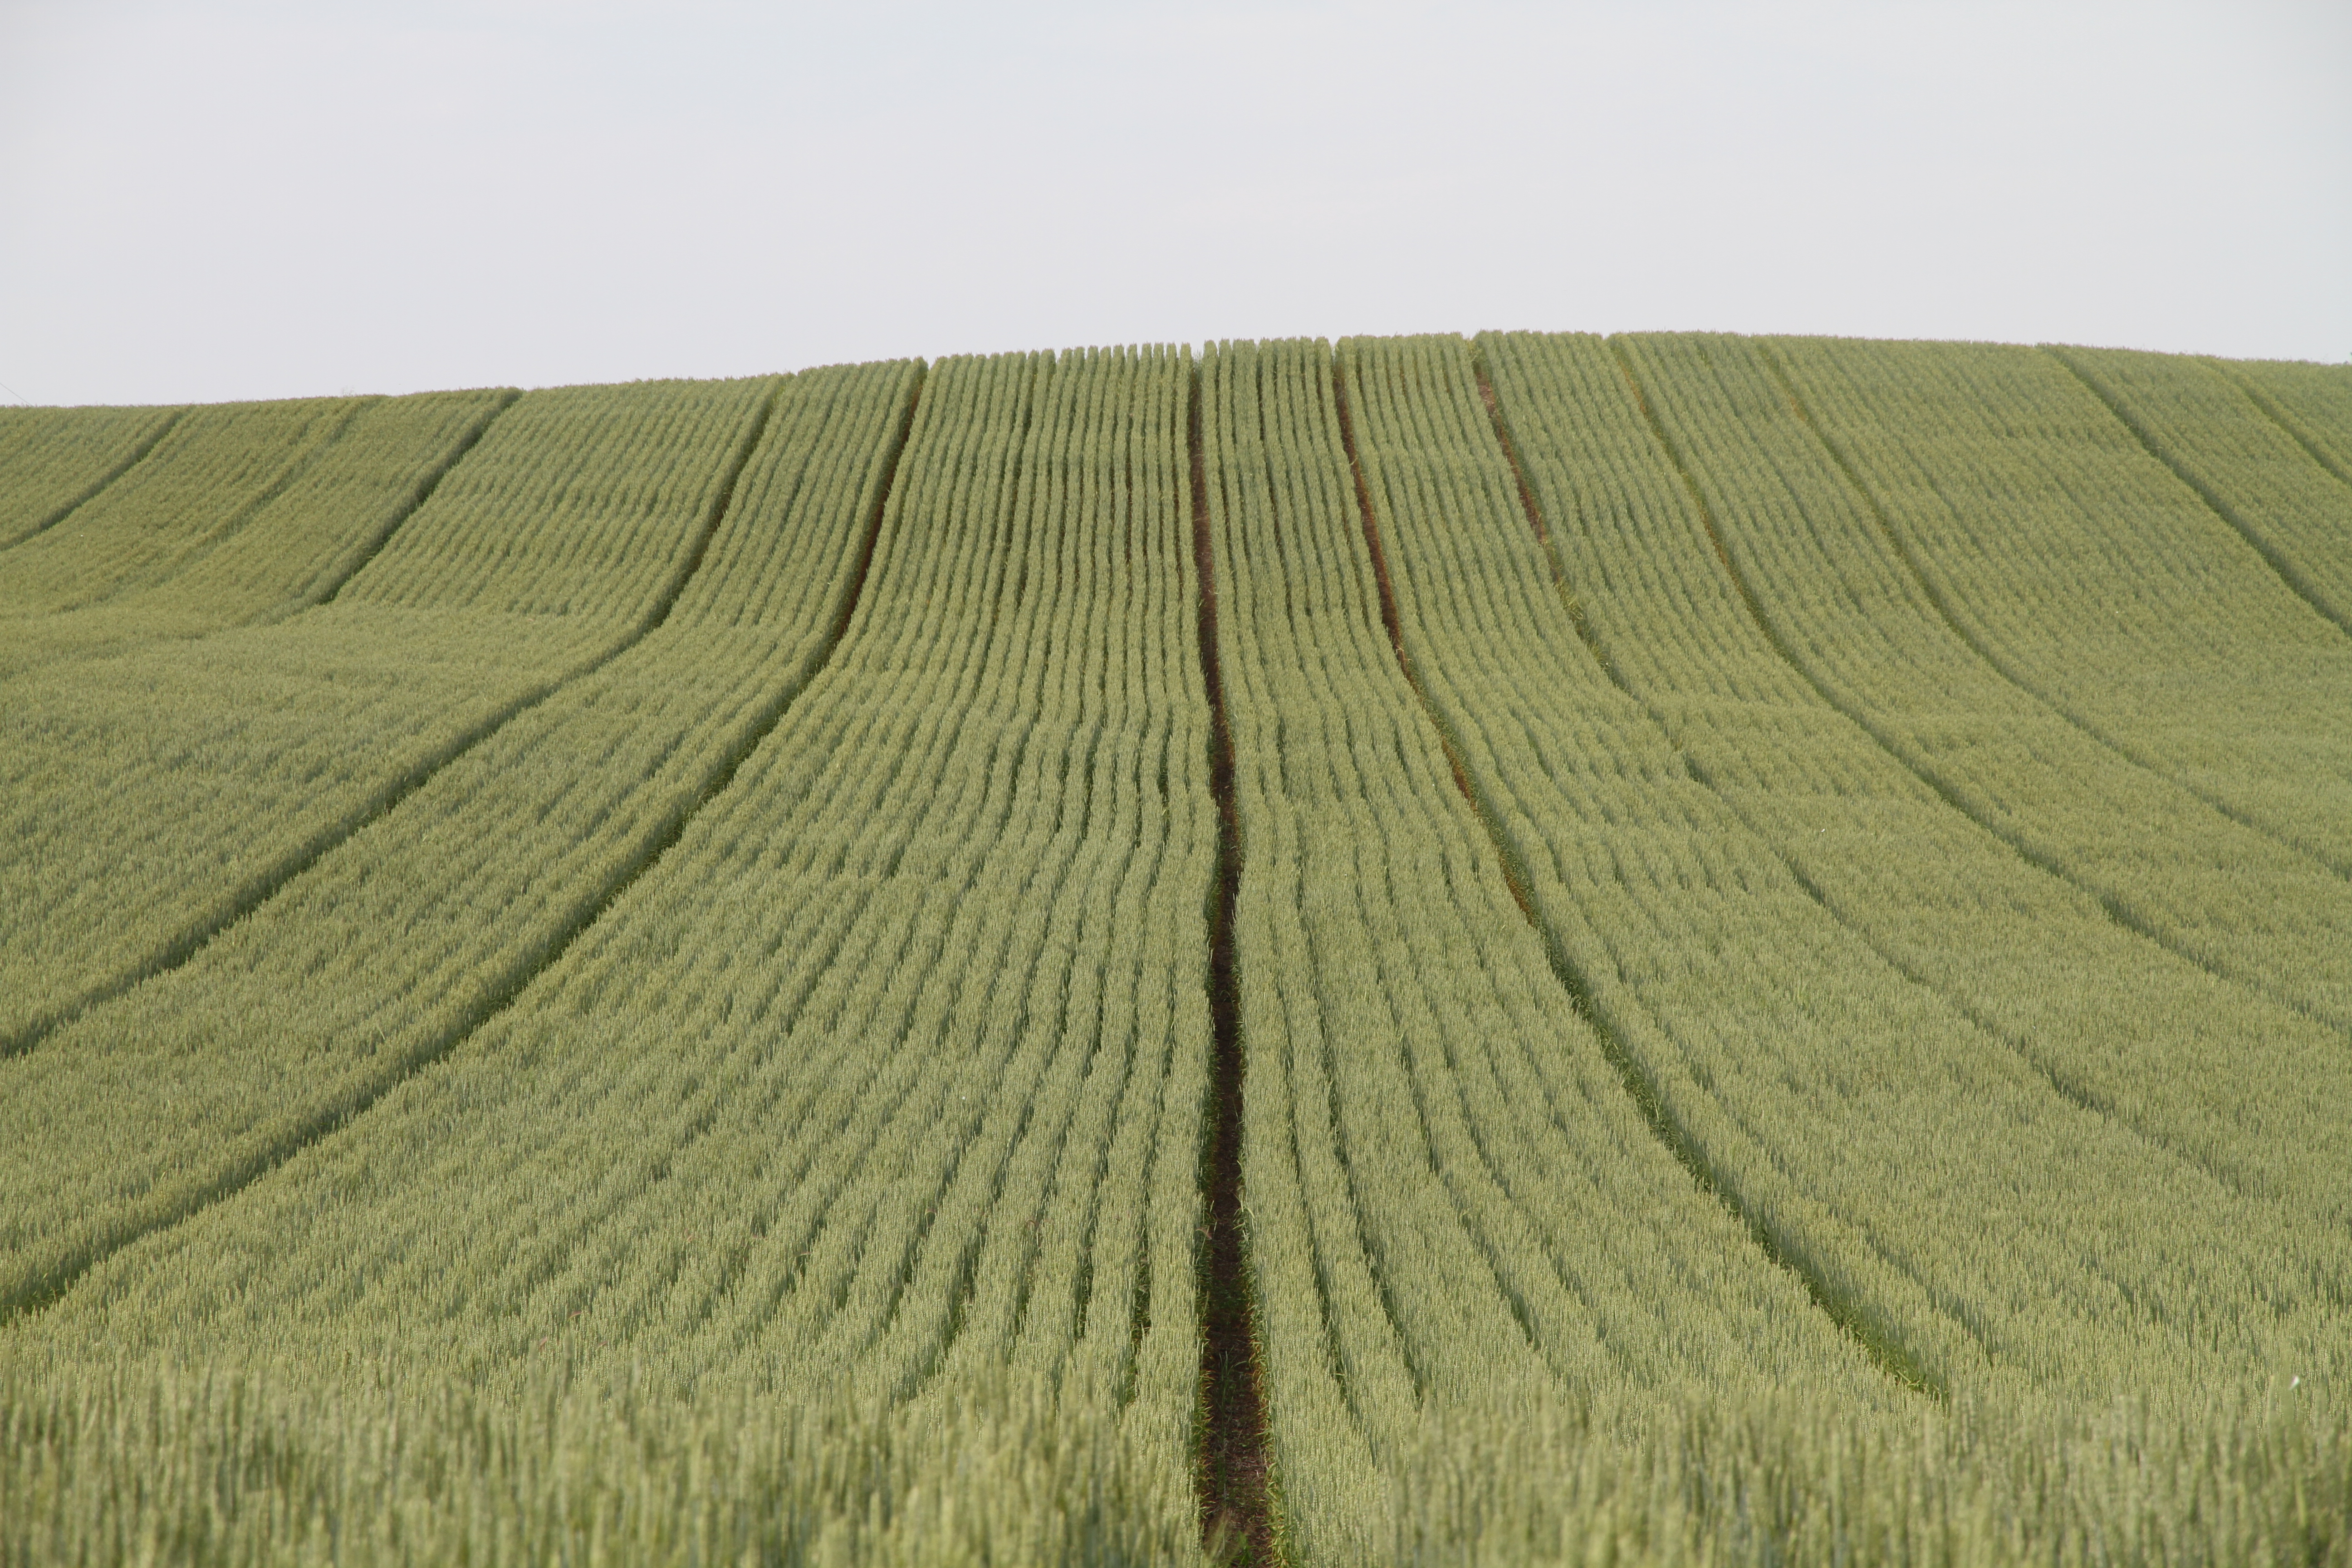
column 224, row 1466
column 219, row 552
column 1828, row 577
column 2240, row 1084
column 2265, row 471
column 212, row 471
column 2086, row 570
column 624, row 974
column 1792, row 1058
column 2313, row 403
column 150, row 796
column 879, row 1088
column 1452, row 1198
column 408, row 933
column 2228, row 1479
column 56, row 460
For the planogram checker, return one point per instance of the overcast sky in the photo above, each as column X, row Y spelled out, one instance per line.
column 203, row 201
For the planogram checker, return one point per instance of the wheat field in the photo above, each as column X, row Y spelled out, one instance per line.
column 1522, row 949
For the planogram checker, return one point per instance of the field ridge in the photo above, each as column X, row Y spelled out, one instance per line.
column 2126, row 911
column 1238, row 1513
column 1853, row 1318
column 1536, row 948
column 176, row 951
column 131, row 459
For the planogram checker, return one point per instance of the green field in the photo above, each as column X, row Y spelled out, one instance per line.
column 1528, row 949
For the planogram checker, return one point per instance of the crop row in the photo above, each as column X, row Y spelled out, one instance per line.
column 210, row 472
column 878, row 1074
column 408, row 934
column 2094, row 579
column 230, row 762
column 241, row 514
column 1790, row 903
column 1826, row 572
column 2231, row 1080
column 1452, row 1197
column 2230, row 433
column 58, row 459
column 2312, row 404
column 1840, row 1108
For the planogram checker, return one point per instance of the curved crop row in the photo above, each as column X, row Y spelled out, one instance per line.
column 245, row 557
column 152, row 795
column 1603, row 952
column 58, row 458
column 212, row 469
column 1850, row 1107
column 2313, row 403
column 1452, row 1199
column 2098, row 580
column 381, row 955
column 1838, row 596
column 884, row 1084
column 2254, row 464
column 2236, row 1083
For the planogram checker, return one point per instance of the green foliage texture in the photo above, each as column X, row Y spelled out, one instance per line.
column 642, row 974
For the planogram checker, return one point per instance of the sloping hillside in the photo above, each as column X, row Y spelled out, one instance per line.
column 1527, row 947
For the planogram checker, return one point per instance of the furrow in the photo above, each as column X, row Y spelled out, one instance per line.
column 244, row 901
column 2257, row 540
column 1891, row 1358
column 1808, row 1070
column 2264, row 399
column 229, row 758
column 227, row 558
column 1454, row 1203
column 842, row 1077
column 2008, row 669
column 2226, row 1082
column 32, row 1292
column 1234, row 1507
column 128, row 461
column 2077, row 1093
column 323, row 591
column 2119, row 909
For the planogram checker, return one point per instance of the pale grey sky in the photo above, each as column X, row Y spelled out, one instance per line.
column 258, row 198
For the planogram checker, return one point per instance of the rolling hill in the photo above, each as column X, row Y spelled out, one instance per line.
column 1535, row 948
